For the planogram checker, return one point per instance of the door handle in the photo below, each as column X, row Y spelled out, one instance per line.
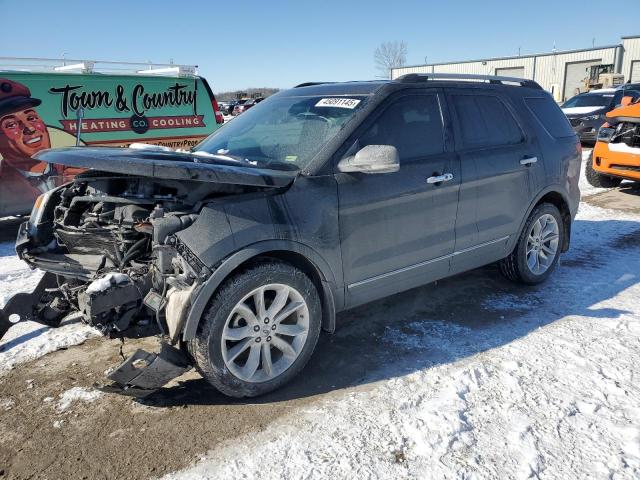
column 528, row 161
column 440, row 178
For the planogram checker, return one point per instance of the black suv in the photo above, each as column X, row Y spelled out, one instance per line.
column 587, row 111
column 320, row 198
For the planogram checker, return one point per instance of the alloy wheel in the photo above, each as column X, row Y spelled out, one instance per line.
column 542, row 244
column 265, row 333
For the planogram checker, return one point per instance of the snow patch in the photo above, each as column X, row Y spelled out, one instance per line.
column 27, row 341
column 148, row 146
column 105, row 283
column 76, row 394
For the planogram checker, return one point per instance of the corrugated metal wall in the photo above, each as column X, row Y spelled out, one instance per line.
column 631, row 48
column 551, row 69
column 548, row 70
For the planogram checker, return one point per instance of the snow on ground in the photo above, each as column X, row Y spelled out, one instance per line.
column 29, row 340
column 15, row 275
column 77, row 394
column 551, row 394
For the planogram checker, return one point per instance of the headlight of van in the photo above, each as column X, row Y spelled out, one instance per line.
column 592, row 117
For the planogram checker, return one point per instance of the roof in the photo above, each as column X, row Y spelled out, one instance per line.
column 601, row 90
column 75, row 66
column 514, row 57
column 427, row 79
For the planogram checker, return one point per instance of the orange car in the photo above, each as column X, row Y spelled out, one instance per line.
column 616, row 155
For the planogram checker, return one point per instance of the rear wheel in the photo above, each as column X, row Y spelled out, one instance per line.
column 597, row 179
column 259, row 330
column 538, row 249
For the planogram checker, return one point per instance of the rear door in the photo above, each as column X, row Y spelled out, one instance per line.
column 397, row 229
column 496, row 160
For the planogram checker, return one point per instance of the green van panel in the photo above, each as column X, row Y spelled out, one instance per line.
column 45, row 110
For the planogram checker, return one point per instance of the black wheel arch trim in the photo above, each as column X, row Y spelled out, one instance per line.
column 556, row 189
column 332, row 297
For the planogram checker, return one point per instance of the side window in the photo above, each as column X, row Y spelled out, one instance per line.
column 485, row 121
column 412, row 124
column 550, row 116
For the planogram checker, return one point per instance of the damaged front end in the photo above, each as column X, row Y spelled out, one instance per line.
column 108, row 246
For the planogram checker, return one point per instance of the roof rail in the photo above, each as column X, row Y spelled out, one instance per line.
column 425, row 77
column 310, row 84
column 33, row 64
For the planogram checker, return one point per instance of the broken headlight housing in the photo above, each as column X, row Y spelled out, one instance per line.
column 606, row 133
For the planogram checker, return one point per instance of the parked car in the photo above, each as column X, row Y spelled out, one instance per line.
column 587, row 111
column 321, row 198
column 224, row 107
column 238, row 108
column 246, row 105
column 616, row 155
column 231, row 105
column 40, row 110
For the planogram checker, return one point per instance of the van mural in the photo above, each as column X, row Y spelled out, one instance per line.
column 51, row 110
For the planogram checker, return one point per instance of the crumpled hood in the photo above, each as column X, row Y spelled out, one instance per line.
column 630, row 112
column 168, row 165
column 580, row 111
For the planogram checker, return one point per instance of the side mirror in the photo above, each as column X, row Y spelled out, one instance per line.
column 372, row 159
column 627, row 100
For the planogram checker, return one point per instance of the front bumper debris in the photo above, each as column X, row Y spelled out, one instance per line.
column 24, row 306
column 144, row 373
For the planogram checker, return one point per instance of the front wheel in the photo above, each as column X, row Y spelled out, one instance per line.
column 259, row 330
column 538, row 249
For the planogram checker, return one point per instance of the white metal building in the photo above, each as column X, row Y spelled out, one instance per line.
column 559, row 72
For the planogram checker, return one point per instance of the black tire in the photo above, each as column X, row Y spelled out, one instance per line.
column 206, row 348
column 597, row 179
column 515, row 267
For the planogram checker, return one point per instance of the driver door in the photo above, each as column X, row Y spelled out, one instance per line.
column 397, row 229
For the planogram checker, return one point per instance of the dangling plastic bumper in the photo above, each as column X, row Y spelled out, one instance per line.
column 22, row 307
column 144, row 373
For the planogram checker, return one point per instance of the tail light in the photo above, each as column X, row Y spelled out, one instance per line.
column 216, row 110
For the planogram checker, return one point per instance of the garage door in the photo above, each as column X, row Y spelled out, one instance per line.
column 574, row 76
column 635, row 71
column 517, row 72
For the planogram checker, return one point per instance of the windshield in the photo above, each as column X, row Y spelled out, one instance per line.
column 590, row 100
column 283, row 132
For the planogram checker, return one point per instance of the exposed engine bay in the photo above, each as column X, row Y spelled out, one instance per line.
column 628, row 133
column 107, row 242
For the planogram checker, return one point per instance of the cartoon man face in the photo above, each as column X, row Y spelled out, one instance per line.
column 23, row 133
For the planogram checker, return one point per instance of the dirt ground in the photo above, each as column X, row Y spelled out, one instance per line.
column 116, row 437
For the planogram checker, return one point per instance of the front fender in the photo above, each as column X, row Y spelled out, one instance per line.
column 333, row 297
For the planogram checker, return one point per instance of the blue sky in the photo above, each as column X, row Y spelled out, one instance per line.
column 240, row 44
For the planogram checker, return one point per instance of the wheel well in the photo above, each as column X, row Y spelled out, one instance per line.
column 557, row 199
column 310, row 269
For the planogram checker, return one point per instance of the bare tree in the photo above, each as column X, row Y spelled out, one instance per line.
column 390, row 55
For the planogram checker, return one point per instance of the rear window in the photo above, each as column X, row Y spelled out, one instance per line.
column 550, row 116
column 485, row 121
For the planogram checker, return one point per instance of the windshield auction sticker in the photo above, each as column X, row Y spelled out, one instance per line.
column 350, row 103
